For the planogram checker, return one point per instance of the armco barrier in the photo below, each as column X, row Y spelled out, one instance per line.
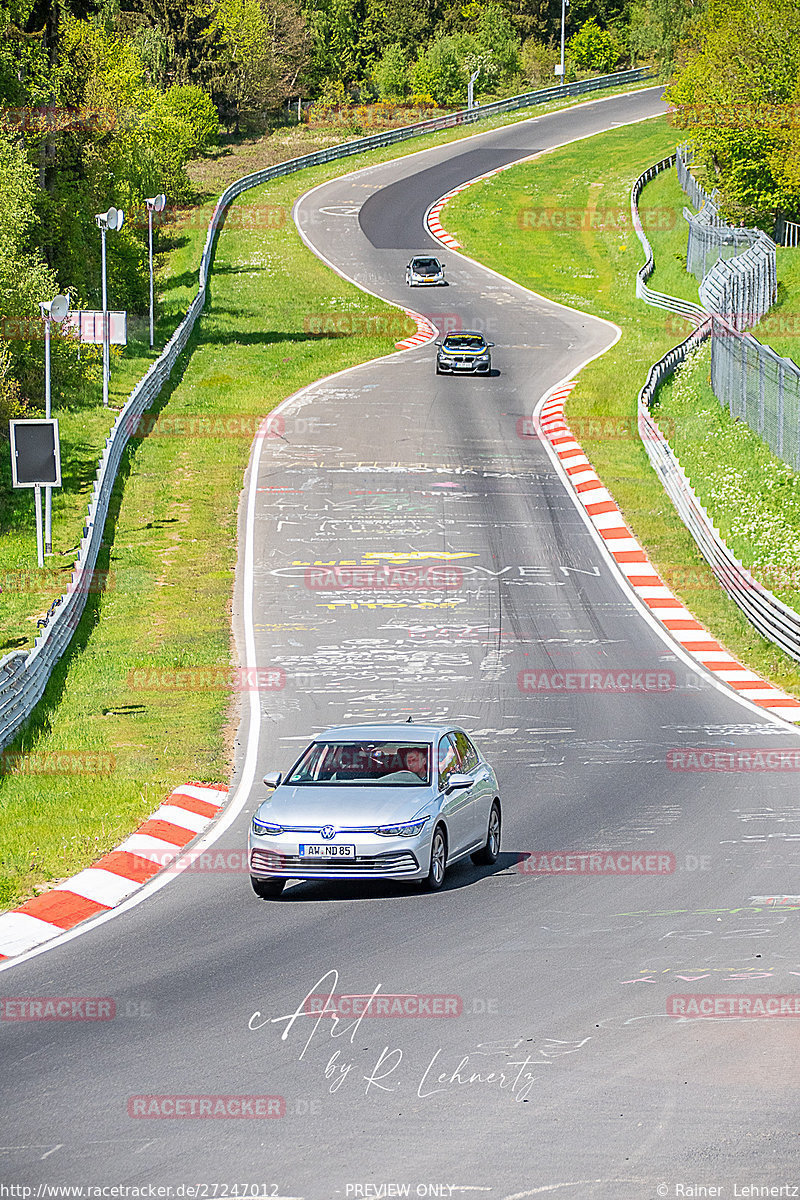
column 772, row 618
column 658, row 299
column 24, row 674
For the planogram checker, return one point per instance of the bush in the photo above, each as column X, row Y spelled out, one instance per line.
column 439, row 71
column 595, row 49
column 195, row 111
column 391, row 73
column 538, row 60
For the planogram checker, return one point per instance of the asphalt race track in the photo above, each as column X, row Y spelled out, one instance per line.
column 560, row 1070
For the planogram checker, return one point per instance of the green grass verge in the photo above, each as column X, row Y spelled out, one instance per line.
column 593, row 268
column 84, row 425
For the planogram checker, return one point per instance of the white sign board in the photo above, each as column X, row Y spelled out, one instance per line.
column 88, row 326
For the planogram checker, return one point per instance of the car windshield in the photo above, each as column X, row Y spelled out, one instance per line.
column 464, row 342
column 378, row 764
column 428, row 266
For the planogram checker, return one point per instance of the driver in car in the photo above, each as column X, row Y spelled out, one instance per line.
column 417, row 761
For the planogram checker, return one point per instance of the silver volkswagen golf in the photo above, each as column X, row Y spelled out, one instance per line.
column 376, row 802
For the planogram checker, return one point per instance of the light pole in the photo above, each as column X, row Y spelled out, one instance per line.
column 560, row 70
column 154, row 204
column 51, row 310
column 108, row 220
column 471, row 85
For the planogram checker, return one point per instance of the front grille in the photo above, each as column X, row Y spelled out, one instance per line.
column 401, row 863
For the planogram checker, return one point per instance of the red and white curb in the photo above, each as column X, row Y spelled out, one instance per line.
column 425, row 331
column 115, row 876
column 631, row 559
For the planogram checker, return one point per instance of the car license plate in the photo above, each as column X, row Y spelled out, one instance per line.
column 329, row 851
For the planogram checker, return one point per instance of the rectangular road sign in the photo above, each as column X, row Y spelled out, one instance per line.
column 35, row 453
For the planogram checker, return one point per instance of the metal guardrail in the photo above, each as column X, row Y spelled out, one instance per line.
column 24, row 674
column 657, row 299
column 772, row 618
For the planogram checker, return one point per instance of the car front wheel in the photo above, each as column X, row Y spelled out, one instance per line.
column 438, row 866
column 490, row 850
column 267, row 889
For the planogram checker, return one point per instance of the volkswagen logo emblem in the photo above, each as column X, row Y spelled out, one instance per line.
column 327, row 832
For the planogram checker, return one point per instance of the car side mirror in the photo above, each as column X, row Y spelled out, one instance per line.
column 457, row 783
column 273, row 779
column 437, row 343
column 490, row 343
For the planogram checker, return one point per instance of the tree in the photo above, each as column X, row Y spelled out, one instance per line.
column 736, row 96
column 391, row 73
column 440, row 71
column 498, row 42
column 25, row 279
column 188, row 30
column 595, row 49
column 658, row 27
column 264, row 46
column 334, row 26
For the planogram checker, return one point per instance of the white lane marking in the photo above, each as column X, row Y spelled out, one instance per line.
column 49, row 1152
column 619, row 571
column 241, row 795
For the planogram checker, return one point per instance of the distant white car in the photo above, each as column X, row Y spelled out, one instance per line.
column 424, row 271
column 376, row 802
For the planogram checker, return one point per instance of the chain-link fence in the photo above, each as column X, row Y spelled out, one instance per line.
column 24, row 674
column 710, row 239
column 738, row 288
column 694, row 190
column 759, row 387
column 744, row 288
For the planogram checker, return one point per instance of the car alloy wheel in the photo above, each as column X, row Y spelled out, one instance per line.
column 490, row 851
column 438, row 865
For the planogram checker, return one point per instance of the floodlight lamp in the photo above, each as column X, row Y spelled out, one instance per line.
column 59, row 307
column 55, row 309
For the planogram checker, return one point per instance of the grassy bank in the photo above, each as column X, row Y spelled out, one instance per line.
column 593, row 269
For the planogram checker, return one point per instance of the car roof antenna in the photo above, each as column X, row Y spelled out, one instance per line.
column 409, row 721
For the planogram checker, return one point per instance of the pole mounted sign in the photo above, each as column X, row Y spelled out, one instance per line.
column 36, row 463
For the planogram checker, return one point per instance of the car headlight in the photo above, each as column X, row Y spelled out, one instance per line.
column 406, row 829
column 483, row 357
column 261, row 827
